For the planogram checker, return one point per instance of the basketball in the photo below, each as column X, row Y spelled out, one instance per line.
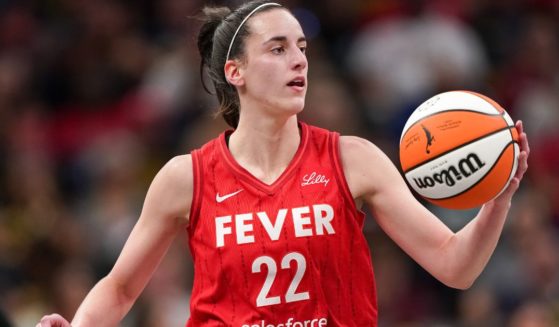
column 459, row 149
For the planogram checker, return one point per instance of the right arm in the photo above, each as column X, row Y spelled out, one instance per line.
column 455, row 258
column 165, row 213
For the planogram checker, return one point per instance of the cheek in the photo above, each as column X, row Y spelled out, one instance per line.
column 264, row 73
column 268, row 75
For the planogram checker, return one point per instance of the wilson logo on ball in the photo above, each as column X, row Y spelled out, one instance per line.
column 466, row 168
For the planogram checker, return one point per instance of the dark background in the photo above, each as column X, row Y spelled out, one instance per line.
column 95, row 96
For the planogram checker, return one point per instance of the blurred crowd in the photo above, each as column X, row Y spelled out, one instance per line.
column 95, row 96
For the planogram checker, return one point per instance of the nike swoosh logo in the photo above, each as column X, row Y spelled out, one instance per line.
column 221, row 198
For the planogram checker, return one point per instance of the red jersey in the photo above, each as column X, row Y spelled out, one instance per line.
column 289, row 254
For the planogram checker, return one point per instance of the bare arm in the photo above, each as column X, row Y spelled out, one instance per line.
column 456, row 259
column 165, row 213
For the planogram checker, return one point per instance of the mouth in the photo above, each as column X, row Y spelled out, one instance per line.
column 298, row 82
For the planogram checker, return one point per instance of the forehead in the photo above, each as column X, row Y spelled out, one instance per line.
column 274, row 22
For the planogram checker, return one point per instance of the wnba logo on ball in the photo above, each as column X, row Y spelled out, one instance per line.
column 466, row 167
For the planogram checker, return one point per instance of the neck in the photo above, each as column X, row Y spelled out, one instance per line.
column 266, row 148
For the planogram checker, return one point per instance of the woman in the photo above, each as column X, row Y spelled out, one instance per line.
column 272, row 208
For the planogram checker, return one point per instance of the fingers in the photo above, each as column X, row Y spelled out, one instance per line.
column 53, row 320
column 522, row 165
column 514, row 184
column 519, row 126
column 524, row 151
column 46, row 321
column 523, row 139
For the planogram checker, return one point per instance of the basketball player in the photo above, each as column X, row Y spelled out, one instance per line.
column 272, row 208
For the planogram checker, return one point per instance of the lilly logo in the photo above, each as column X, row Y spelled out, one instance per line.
column 315, row 178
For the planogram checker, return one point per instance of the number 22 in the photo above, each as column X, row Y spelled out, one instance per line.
column 290, row 296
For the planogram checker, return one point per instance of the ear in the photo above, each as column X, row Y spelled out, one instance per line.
column 233, row 72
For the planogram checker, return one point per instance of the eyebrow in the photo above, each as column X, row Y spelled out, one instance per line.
column 284, row 39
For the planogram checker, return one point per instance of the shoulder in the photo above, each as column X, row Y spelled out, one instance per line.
column 366, row 166
column 170, row 193
column 358, row 151
column 177, row 172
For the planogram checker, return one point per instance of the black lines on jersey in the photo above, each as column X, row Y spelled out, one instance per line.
column 212, row 169
column 244, row 267
column 340, row 287
column 226, row 278
column 211, row 282
column 262, row 234
column 285, row 237
column 245, row 271
column 227, row 282
column 314, row 280
column 213, row 160
column 239, row 187
column 352, row 272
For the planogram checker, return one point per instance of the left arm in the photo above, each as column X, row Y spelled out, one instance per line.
column 456, row 259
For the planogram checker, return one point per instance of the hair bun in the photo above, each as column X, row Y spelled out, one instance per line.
column 212, row 17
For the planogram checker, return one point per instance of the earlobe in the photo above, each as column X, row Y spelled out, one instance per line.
column 232, row 73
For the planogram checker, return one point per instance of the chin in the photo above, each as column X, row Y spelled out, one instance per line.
column 290, row 107
column 294, row 110
column 297, row 105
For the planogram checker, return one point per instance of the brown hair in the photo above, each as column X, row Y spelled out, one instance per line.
column 214, row 39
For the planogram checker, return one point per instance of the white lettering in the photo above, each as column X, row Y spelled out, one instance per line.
column 221, row 230
column 273, row 230
column 303, row 218
column 291, row 322
column 242, row 228
column 323, row 215
column 314, row 178
column 299, row 221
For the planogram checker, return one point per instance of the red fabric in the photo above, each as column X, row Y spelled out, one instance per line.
column 321, row 238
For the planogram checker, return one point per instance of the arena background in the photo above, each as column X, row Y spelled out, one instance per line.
column 95, row 96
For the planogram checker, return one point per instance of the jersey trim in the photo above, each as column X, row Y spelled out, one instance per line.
column 340, row 175
column 197, row 185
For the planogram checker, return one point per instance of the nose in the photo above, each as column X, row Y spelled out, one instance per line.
column 298, row 59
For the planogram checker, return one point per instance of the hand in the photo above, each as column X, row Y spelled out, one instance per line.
column 506, row 196
column 53, row 320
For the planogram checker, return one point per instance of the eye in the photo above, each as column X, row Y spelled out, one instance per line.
column 303, row 49
column 278, row 50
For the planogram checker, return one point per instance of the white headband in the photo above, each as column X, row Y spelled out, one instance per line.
column 243, row 22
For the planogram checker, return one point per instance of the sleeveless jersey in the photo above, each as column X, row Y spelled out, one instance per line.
column 289, row 254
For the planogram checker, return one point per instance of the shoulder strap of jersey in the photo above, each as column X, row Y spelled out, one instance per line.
column 340, row 176
column 197, row 185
